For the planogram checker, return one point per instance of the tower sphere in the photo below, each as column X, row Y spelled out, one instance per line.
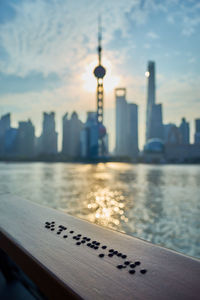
column 99, row 72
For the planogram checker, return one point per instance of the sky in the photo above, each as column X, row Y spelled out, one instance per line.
column 48, row 49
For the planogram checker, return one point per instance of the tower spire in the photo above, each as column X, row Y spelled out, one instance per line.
column 99, row 39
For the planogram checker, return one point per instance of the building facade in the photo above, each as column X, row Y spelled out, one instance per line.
column 71, row 145
column 154, row 122
column 126, row 126
column 49, row 135
column 184, row 129
column 197, row 132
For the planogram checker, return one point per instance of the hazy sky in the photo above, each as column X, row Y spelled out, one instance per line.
column 48, row 50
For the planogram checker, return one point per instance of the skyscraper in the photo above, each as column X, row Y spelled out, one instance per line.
column 126, row 125
column 197, row 131
column 89, row 136
column 49, row 134
column 71, row 135
column 4, row 126
column 154, row 124
column 26, row 139
column 184, row 131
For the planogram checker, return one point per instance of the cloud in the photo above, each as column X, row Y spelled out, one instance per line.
column 152, row 35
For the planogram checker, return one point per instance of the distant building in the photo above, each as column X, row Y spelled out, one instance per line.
column 90, row 136
column 172, row 134
column 26, row 139
column 126, row 126
column 197, row 132
column 184, row 129
column 4, row 126
column 71, row 135
column 11, row 142
column 49, row 135
column 154, row 122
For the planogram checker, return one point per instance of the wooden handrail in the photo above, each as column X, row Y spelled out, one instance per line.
column 82, row 260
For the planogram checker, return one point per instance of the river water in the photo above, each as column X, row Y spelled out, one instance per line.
column 158, row 203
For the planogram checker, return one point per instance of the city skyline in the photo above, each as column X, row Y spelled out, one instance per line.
column 43, row 67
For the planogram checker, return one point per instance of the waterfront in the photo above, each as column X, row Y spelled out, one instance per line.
column 158, row 203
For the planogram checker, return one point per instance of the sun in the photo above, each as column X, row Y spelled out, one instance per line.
column 90, row 83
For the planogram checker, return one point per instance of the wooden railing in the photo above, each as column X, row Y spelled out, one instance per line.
column 70, row 258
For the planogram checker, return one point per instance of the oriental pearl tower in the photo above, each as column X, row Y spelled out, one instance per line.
column 99, row 73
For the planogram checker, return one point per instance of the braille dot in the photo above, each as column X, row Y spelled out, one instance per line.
column 77, row 238
column 52, row 229
column 74, row 237
column 111, row 250
column 78, row 243
column 83, row 241
column 127, row 263
column 92, row 246
column 88, row 239
column 132, row 271
column 60, row 226
column 110, row 255
column 65, row 236
column 71, row 231
column 97, row 243
column 52, row 225
column 58, row 232
column 137, row 263
column 119, row 254
column 79, row 234
column 64, row 228
column 104, row 247
column 85, row 237
column 124, row 256
column 132, row 266
column 115, row 252
column 93, row 242
column 143, row 271
column 47, row 226
column 101, row 255
column 47, row 223
column 53, row 222
column 120, row 267
column 89, row 244
column 96, row 247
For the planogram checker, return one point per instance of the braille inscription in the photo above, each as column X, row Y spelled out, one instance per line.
column 95, row 245
column 120, row 267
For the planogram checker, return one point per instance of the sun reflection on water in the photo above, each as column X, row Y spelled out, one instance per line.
column 106, row 207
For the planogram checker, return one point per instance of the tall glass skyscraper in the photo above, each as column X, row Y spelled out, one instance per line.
column 154, row 124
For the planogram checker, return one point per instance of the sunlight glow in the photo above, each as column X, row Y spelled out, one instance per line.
column 89, row 81
column 147, row 74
